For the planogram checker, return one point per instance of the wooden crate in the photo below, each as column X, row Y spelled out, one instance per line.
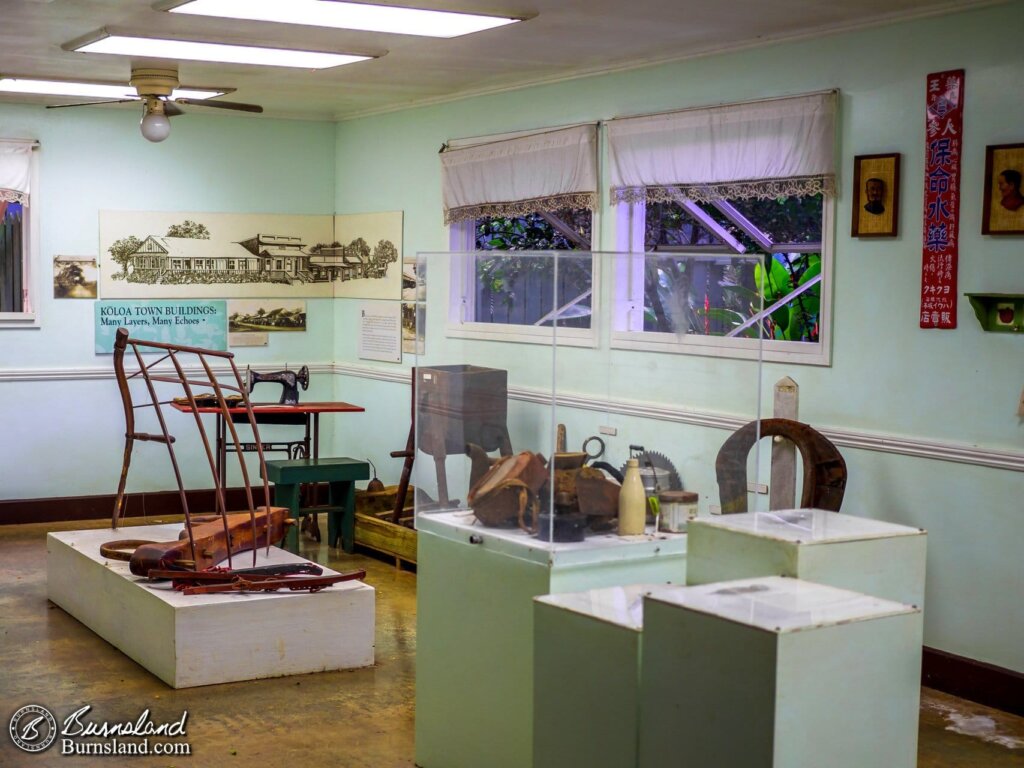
column 374, row 528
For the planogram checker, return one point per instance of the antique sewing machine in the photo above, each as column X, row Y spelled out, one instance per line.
column 289, row 381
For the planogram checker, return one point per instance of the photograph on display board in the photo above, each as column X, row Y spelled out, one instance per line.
column 412, row 292
column 1004, row 199
column 364, row 258
column 74, row 277
column 876, row 187
column 266, row 315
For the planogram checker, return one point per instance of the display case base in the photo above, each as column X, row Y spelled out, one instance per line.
column 195, row 640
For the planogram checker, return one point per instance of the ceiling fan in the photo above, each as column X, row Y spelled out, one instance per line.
column 155, row 89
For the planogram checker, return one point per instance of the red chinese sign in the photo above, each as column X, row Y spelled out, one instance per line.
column 943, row 141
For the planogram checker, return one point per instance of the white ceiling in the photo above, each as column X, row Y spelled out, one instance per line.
column 560, row 39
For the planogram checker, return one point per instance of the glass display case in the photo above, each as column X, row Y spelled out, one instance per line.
column 542, row 382
column 540, row 375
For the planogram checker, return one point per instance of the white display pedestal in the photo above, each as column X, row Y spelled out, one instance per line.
column 203, row 639
column 857, row 553
column 586, row 681
column 475, row 634
column 778, row 673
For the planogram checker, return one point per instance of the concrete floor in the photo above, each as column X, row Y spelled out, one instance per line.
column 355, row 719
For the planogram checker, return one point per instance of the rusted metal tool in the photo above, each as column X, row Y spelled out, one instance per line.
column 294, row 584
column 224, row 574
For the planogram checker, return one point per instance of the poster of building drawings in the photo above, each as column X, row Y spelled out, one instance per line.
column 372, row 243
column 205, row 255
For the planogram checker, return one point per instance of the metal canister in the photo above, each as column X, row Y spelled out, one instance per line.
column 677, row 508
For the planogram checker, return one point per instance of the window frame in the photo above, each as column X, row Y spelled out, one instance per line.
column 461, row 298
column 32, row 267
column 630, row 237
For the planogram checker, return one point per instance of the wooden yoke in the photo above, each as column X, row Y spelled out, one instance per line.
column 824, row 468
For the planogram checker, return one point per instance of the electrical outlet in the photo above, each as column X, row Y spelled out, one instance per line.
column 612, row 431
column 714, row 509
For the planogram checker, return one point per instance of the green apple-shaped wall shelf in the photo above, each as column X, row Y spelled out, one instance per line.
column 1000, row 312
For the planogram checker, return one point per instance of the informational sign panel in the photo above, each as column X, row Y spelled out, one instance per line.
column 380, row 331
column 944, row 121
column 173, row 321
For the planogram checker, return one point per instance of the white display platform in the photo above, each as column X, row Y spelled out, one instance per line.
column 586, row 678
column 778, row 673
column 846, row 551
column 596, row 548
column 204, row 639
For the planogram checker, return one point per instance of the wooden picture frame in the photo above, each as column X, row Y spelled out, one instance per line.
column 1003, row 210
column 879, row 215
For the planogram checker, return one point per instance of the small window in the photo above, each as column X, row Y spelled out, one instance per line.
column 497, row 293
column 19, row 227
column 13, row 231
column 535, row 292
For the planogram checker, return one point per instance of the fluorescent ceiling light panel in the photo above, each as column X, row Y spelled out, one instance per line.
column 342, row 15
column 88, row 90
column 157, row 48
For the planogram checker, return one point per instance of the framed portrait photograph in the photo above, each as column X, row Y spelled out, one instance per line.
column 1003, row 212
column 876, row 195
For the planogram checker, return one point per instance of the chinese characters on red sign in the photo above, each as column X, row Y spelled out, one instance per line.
column 943, row 140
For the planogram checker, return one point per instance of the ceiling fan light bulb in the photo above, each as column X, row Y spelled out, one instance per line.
column 155, row 127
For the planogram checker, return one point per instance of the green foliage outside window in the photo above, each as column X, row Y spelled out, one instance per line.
column 674, row 303
column 504, row 279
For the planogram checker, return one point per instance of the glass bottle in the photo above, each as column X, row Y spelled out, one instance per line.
column 632, row 501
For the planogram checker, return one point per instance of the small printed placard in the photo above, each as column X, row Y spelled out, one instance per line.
column 380, row 331
column 173, row 321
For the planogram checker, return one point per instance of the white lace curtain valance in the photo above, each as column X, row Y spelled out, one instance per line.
column 15, row 170
column 757, row 149
column 548, row 170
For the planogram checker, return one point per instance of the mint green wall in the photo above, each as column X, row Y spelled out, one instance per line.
column 60, row 425
column 888, row 377
column 62, row 428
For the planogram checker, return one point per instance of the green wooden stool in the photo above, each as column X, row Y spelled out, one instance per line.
column 340, row 474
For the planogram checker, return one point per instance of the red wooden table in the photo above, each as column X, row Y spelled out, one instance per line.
column 305, row 414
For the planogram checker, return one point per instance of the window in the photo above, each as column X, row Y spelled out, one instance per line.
column 12, row 250
column 754, row 179
column 536, row 291
column 18, row 234
column 531, row 191
column 786, row 231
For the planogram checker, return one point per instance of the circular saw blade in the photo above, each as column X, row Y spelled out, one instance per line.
column 658, row 472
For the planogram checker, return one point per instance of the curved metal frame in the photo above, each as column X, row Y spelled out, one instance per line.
column 151, row 375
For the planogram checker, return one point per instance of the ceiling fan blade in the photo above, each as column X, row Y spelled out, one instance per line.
column 90, row 103
column 172, row 110
column 235, row 105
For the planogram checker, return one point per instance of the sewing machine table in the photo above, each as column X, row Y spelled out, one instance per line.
column 307, row 414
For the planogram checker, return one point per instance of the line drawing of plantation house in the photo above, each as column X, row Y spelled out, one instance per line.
column 261, row 258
